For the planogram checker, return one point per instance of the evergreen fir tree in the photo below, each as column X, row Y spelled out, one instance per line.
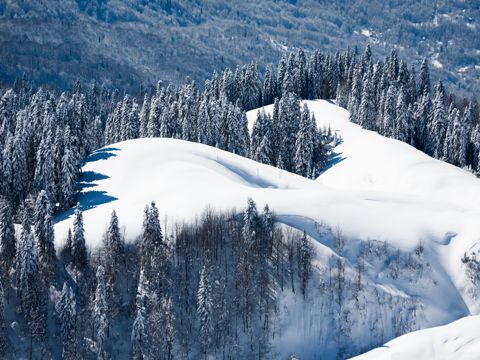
column 139, row 337
column 438, row 124
column 402, row 131
column 304, row 145
column 44, row 234
column 7, row 236
column 4, row 344
column 269, row 86
column 144, row 116
column 69, row 174
column 424, row 85
column 204, row 309
column 100, row 316
column 30, row 285
column 79, row 250
column 305, row 257
column 66, row 313
column 367, row 111
column 263, row 153
column 114, row 250
column 389, row 112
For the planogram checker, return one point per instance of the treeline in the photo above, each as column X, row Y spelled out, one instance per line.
column 387, row 97
column 207, row 289
column 44, row 136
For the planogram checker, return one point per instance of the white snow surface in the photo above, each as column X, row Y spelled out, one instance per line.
column 458, row 340
column 375, row 188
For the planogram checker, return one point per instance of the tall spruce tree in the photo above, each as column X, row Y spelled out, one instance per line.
column 7, row 236
column 66, row 314
column 44, row 234
column 4, row 343
column 204, row 310
column 100, row 315
column 79, row 249
column 139, row 338
column 304, row 145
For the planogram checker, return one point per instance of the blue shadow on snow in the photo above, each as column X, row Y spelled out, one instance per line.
column 101, row 154
column 90, row 199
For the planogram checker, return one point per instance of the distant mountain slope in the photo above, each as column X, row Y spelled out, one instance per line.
column 458, row 340
column 407, row 216
column 131, row 43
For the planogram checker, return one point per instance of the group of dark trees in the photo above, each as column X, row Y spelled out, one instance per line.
column 208, row 288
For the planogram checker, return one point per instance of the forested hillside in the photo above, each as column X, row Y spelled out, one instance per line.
column 127, row 44
column 233, row 278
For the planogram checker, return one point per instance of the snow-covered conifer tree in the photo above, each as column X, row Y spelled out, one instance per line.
column 79, row 250
column 7, row 236
column 44, row 235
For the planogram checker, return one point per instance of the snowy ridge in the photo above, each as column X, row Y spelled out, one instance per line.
column 377, row 189
column 458, row 340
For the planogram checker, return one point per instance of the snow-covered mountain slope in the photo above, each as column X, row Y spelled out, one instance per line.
column 458, row 340
column 386, row 197
column 405, row 196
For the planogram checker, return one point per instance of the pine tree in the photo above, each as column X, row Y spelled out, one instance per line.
column 7, row 236
column 305, row 257
column 169, row 127
column 139, row 338
column 144, row 115
column 44, row 169
column 114, row 250
column 44, row 234
column 30, row 285
column 438, row 124
column 389, row 112
column 4, row 343
column 153, row 125
column 456, row 140
column 264, row 152
column 355, row 96
column 289, row 123
column 79, row 250
column 367, row 111
column 69, row 174
column 424, row 86
column 100, row 315
column 261, row 129
column 66, row 313
column 422, row 116
column 269, row 86
column 304, row 145
column 131, row 122
column 403, row 123
column 206, row 128
column 169, row 315
column 204, row 309
column 98, row 139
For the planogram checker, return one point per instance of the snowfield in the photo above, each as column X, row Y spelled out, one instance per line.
column 458, row 340
column 375, row 189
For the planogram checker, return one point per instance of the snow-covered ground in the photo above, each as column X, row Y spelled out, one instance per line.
column 376, row 189
column 459, row 340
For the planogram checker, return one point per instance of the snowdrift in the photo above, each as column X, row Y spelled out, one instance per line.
column 458, row 340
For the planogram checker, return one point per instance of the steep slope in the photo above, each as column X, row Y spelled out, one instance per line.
column 408, row 219
column 458, row 340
